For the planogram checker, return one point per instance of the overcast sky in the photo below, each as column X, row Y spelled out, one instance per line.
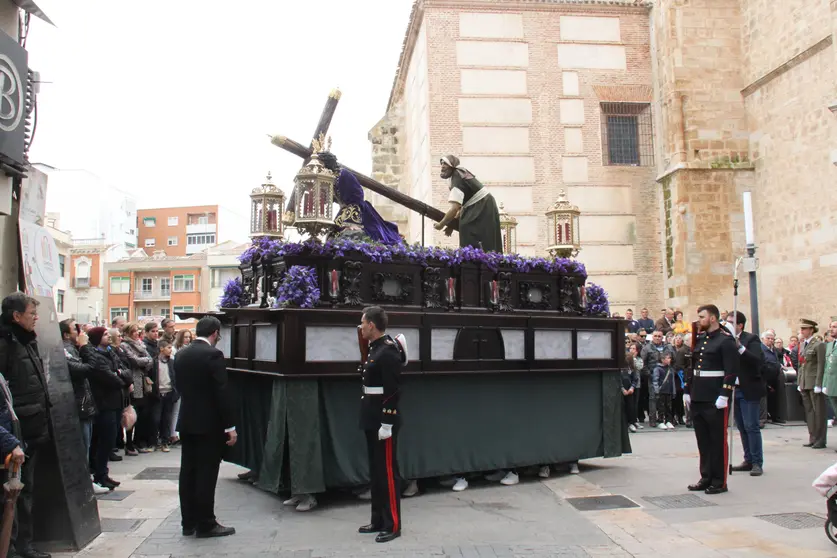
column 173, row 99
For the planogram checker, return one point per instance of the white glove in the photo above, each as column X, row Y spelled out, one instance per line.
column 824, row 391
column 721, row 402
column 385, row 432
column 817, row 389
column 687, row 399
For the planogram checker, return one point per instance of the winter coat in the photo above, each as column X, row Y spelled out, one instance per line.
column 79, row 372
column 140, row 362
column 21, row 365
column 151, row 347
column 154, row 374
column 105, row 380
column 8, row 429
column 652, row 354
column 665, row 380
column 630, row 378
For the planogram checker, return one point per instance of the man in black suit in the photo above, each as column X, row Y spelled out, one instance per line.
column 750, row 388
column 206, row 427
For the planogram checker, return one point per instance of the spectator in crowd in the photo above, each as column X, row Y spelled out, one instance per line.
column 163, row 395
column 681, row 362
column 118, row 322
column 681, row 327
column 181, row 340
column 751, row 388
column 140, row 362
column 151, row 334
column 23, row 369
column 630, row 386
column 631, row 325
column 645, row 322
column 651, row 356
column 169, row 332
column 664, row 379
column 793, row 349
column 80, row 373
column 106, row 384
column 666, row 321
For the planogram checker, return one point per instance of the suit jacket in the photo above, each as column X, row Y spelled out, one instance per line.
column 663, row 325
column 750, row 379
column 829, row 381
column 206, row 404
column 811, row 371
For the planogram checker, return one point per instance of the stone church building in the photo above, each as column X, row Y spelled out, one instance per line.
column 655, row 117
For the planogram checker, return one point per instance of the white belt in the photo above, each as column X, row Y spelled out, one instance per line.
column 710, row 373
column 481, row 193
column 373, row 390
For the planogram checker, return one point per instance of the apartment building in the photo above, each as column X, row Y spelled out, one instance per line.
column 63, row 293
column 86, row 286
column 222, row 261
column 143, row 288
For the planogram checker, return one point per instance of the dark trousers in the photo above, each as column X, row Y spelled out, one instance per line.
column 630, row 408
column 107, row 423
column 664, row 408
column 747, row 421
column 200, row 459
column 24, row 523
column 385, row 480
column 710, row 426
column 815, row 417
column 163, row 429
column 154, row 409
column 642, row 403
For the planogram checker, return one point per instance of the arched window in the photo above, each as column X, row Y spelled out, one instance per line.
column 82, row 274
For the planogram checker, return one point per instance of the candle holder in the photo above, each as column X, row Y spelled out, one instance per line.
column 333, row 278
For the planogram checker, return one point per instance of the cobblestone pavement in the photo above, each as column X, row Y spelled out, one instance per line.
column 532, row 519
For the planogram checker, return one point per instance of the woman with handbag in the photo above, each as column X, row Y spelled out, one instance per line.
column 140, row 362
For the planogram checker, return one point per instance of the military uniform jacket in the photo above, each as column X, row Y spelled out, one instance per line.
column 829, row 380
column 716, row 364
column 811, row 364
column 381, row 385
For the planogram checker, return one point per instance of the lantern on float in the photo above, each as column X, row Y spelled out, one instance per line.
column 314, row 194
column 562, row 234
column 266, row 204
column 508, row 231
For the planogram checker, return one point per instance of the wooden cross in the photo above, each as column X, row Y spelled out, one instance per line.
column 400, row 198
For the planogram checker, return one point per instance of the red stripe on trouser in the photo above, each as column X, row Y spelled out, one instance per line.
column 726, row 444
column 391, row 486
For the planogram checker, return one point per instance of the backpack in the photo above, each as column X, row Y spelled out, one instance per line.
column 770, row 367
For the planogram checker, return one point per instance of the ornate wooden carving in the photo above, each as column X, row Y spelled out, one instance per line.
column 504, row 280
column 431, row 286
column 405, row 285
column 535, row 295
column 566, row 296
column 350, row 281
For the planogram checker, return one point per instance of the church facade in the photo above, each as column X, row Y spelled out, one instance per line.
column 654, row 117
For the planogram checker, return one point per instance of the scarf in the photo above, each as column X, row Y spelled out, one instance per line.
column 453, row 162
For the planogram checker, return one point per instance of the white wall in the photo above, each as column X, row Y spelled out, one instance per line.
column 90, row 207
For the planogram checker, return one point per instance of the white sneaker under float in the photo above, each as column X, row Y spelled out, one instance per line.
column 99, row 489
column 510, row 479
column 669, row 426
column 411, row 489
column 632, row 428
column 573, row 468
column 662, row 426
column 544, row 472
column 307, row 503
column 292, row 501
column 447, row 482
column 460, row 484
column 496, row 476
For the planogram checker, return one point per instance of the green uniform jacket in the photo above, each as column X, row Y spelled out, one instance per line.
column 829, row 382
column 811, row 373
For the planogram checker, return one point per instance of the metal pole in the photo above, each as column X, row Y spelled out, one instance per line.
column 422, row 230
column 754, row 291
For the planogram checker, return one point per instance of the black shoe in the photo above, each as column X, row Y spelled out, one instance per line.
column 217, row 531
column 715, row 490
column 698, row 486
column 387, row 536
column 246, row 476
column 371, row 528
column 808, row 445
column 188, row 531
column 112, row 482
column 743, row 467
column 114, row 457
column 30, row 552
column 105, row 482
column 756, row 471
column 818, row 446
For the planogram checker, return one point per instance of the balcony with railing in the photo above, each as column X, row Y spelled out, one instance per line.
column 153, row 294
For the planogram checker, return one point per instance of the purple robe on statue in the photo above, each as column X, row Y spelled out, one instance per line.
column 354, row 210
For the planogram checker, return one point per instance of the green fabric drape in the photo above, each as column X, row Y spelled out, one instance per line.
column 251, row 394
column 452, row 424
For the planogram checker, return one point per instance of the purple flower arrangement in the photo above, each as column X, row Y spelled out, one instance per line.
column 233, row 294
column 423, row 255
column 298, row 288
column 597, row 304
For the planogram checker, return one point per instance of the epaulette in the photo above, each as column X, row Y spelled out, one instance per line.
column 389, row 341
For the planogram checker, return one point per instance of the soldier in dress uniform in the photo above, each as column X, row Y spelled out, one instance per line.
column 380, row 419
column 716, row 362
column 809, row 383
